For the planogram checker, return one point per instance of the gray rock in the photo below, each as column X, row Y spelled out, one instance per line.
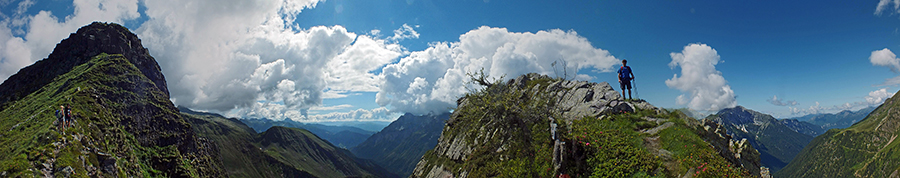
column 656, row 129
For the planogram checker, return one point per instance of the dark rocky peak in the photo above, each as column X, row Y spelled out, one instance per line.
column 78, row 48
column 737, row 115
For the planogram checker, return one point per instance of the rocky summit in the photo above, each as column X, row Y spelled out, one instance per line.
column 538, row 126
column 79, row 48
column 123, row 122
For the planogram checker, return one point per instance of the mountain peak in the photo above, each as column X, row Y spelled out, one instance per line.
column 79, row 48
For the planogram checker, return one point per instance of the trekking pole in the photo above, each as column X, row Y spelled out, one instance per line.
column 634, row 82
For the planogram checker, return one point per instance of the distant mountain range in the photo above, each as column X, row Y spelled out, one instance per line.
column 278, row 151
column 400, row 145
column 340, row 136
column 838, row 120
column 778, row 141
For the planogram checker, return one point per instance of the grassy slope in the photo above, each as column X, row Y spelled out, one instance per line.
column 277, row 152
column 100, row 91
column 866, row 149
column 508, row 131
column 238, row 153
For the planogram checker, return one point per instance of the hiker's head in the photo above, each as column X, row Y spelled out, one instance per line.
column 624, row 61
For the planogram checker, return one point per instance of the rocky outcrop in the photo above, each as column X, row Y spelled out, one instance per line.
column 737, row 151
column 77, row 49
column 491, row 126
column 776, row 142
column 577, row 99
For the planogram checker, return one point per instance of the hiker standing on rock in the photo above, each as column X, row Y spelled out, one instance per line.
column 625, row 77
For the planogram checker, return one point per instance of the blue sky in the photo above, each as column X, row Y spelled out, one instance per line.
column 323, row 60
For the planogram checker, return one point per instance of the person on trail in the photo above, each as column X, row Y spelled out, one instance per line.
column 625, row 77
column 68, row 113
column 60, row 118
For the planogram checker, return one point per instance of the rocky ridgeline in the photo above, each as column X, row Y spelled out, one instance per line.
column 575, row 99
column 125, row 124
column 569, row 101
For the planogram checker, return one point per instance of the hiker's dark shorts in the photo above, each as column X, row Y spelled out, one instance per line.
column 625, row 84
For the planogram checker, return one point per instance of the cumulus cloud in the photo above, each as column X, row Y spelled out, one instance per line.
column 430, row 81
column 878, row 96
column 25, row 38
column 886, row 58
column 247, row 56
column 778, row 102
column 703, row 86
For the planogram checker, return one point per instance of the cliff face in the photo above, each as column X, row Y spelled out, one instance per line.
column 125, row 124
column 537, row 126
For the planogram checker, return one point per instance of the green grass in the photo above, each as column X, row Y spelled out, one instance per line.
column 508, row 130
column 101, row 92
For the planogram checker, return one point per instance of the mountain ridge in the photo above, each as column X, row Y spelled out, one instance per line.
column 341, row 136
column 400, row 145
column 278, row 151
column 865, row 149
column 777, row 142
column 77, row 49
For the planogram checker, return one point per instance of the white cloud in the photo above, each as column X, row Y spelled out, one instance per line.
column 874, row 98
column 281, row 112
column 404, row 32
column 377, row 114
column 878, row 96
column 225, row 55
column 705, row 88
column 350, row 71
column 44, row 30
column 249, row 58
column 330, row 108
column 431, row 80
column 883, row 5
column 885, row 58
column 778, row 102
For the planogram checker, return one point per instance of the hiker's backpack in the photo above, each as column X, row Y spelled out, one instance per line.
column 624, row 71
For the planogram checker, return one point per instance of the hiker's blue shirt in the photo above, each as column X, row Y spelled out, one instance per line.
column 625, row 73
